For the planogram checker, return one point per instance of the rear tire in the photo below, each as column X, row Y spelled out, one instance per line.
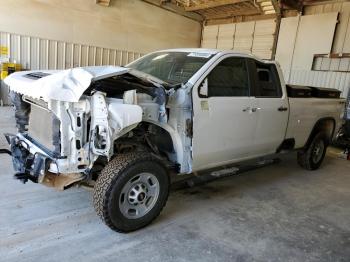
column 131, row 191
column 312, row 157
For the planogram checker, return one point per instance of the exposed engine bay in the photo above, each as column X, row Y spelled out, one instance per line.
column 113, row 115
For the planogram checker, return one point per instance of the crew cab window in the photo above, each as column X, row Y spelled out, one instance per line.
column 229, row 78
column 268, row 84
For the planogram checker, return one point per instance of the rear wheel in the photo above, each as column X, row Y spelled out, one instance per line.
column 131, row 191
column 311, row 158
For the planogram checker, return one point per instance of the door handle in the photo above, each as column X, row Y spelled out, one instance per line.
column 251, row 109
column 282, row 108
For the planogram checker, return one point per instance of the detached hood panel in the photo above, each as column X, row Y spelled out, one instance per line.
column 66, row 85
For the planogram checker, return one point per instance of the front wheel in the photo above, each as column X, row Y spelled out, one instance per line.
column 131, row 191
column 311, row 158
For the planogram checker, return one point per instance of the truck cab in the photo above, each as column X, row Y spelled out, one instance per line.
column 242, row 105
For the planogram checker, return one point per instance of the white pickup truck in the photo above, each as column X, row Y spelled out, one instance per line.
column 123, row 129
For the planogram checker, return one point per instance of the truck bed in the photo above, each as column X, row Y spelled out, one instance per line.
column 305, row 112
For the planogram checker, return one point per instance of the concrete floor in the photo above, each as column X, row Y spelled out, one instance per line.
column 277, row 213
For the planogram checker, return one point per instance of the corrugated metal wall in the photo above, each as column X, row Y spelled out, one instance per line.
column 256, row 37
column 35, row 53
column 341, row 44
column 338, row 80
column 340, row 64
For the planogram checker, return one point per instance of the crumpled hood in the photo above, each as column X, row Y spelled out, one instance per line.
column 62, row 85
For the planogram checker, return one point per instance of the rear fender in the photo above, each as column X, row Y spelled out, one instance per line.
column 326, row 125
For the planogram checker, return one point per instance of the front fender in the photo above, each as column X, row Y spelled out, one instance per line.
column 123, row 116
column 110, row 121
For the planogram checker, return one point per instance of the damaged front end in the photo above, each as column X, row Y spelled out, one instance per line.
column 61, row 137
column 35, row 166
column 58, row 144
column 36, row 149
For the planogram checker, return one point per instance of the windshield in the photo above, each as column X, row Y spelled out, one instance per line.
column 171, row 67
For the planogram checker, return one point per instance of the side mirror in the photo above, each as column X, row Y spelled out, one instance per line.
column 203, row 88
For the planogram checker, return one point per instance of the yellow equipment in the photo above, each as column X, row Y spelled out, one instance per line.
column 8, row 68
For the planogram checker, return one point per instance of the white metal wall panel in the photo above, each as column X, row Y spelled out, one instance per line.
column 226, row 36
column 341, row 44
column 344, row 64
column 264, row 35
column 244, row 36
column 342, row 40
column 256, row 37
column 338, row 80
column 346, row 44
column 36, row 53
column 310, row 41
column 331, row 64
column 210, row 36
column 286, row 43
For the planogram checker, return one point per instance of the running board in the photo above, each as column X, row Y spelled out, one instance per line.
column 206, row 177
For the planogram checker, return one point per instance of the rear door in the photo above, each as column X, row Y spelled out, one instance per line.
column 223, row 121
column 272, row 107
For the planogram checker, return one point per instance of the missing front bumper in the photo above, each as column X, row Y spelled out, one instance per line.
column 27, row 166
column 33, row 164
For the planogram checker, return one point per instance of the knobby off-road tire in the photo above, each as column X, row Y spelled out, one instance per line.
column 131, row 191
column 312, row 157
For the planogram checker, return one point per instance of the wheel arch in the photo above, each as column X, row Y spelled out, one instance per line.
column 323, row 124
column 172, row 136
column 161, row 136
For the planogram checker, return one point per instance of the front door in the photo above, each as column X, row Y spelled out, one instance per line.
column 224, row 117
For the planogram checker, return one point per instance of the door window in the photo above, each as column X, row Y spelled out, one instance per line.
column 229, row 78
column 267, row 81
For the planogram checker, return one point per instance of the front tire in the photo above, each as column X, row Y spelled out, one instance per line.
column 131, row 191
column 312, row 157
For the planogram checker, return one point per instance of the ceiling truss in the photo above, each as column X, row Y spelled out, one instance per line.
column 221, row 9
column 218, row 9
column 206, row 10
